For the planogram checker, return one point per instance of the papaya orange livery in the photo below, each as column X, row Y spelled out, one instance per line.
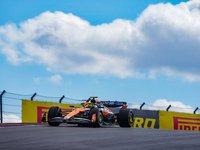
column 94, row 117
column 75, row 112
column 93, row 113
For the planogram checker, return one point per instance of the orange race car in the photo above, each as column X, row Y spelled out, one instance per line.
column 93, row 113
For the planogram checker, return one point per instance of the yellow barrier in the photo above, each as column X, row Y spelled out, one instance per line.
column 179, row 121
column 32, row 111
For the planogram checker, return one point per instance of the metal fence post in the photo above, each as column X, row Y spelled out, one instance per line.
column 33, row 96
column 142, row 106
column 168, row 107
column 1, row 107
column 196, row 110
column 61, row 98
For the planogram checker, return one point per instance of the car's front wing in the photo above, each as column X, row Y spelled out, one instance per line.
column 72, row 120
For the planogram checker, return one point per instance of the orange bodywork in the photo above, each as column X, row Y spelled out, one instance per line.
column 74, row 112
column 58, row 108
column 94, row 116
column 124, row 107
column 105, row 112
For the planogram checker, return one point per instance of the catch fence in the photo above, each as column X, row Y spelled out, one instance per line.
column 11, row 105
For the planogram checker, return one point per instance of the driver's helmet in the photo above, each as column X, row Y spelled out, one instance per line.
column 89, row 106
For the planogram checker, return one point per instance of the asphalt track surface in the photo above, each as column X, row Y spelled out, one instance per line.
column 106, row 138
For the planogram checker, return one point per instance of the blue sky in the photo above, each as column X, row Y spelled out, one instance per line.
column 137, row 51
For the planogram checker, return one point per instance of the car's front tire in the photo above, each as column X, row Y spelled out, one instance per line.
column 98, row 116
column 54, row 112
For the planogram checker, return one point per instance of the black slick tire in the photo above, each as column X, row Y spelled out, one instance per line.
column 125, row 118
column 54, row 112
column 99, row 117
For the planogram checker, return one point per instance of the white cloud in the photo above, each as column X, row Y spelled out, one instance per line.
column 55, row 79
column 164, row 39
column 135, row 106
column 176, row 106
column 11, row 118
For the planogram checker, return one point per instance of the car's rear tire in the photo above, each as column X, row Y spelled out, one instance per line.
column 54, row 112
column 125, row 118
column 99, row 117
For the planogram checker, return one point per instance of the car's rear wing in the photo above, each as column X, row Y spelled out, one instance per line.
column 113, row 103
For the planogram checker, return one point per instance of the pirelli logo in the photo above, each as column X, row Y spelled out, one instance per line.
column 186, row 124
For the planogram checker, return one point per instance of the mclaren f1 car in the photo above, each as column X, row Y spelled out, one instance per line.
column 93, row 113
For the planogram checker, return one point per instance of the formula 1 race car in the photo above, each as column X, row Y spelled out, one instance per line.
column 93, row 113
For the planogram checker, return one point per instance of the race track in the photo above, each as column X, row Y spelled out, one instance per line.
column 106, row 138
